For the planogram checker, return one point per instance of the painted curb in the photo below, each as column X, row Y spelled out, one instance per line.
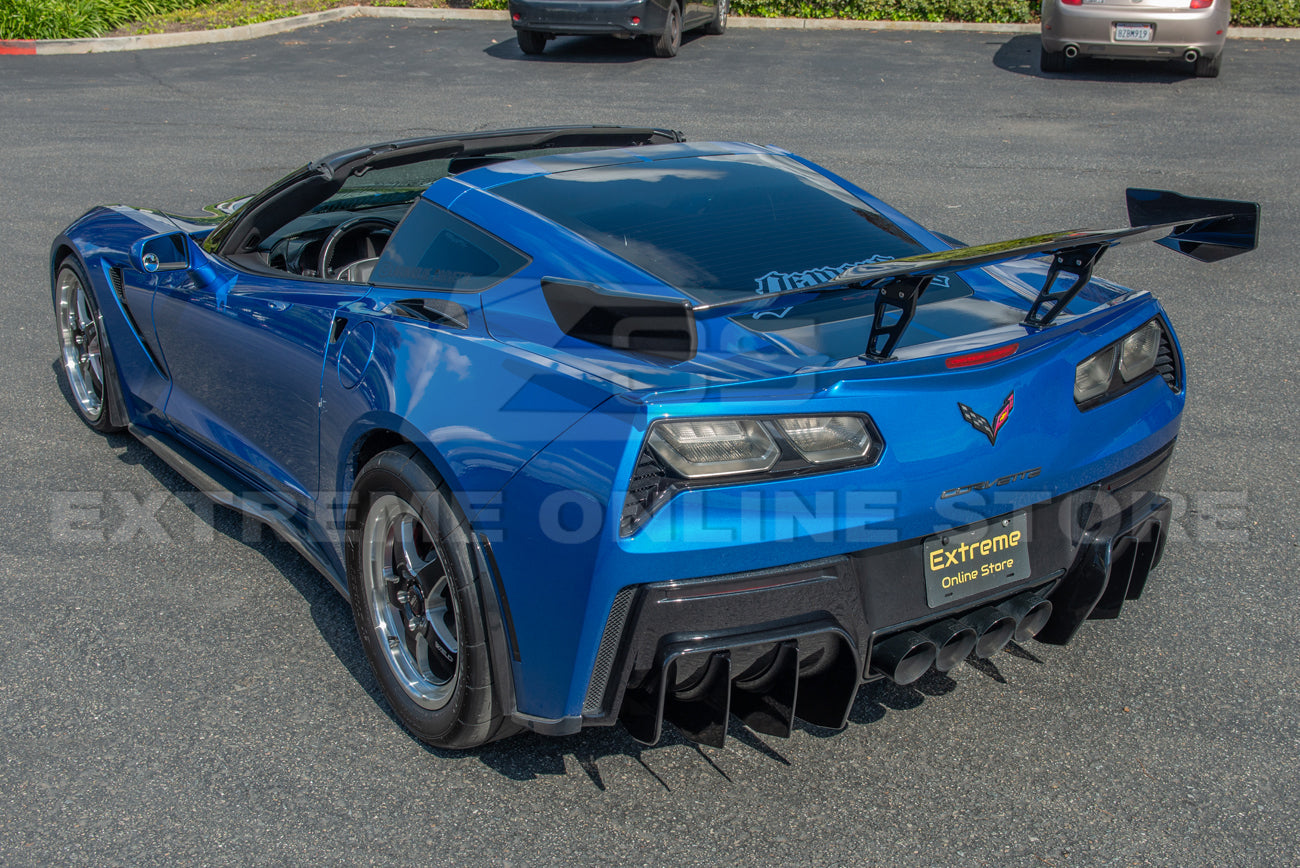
column 297, row 22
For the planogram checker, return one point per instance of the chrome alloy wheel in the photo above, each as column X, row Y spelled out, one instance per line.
column 411, row 601
column 80, row 343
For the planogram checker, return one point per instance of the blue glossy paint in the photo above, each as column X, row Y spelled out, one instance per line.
column 282, row 379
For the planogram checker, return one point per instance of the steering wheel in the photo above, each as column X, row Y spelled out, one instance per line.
column 345, row 230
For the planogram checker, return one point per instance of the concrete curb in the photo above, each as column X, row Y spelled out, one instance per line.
column 284, row 25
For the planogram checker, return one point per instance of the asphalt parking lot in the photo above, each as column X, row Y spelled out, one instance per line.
column 178, row 687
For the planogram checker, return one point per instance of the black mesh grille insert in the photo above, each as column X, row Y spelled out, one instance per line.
column 1167, row 362
column 115, row 275
column 648, row 481
column 607, row 653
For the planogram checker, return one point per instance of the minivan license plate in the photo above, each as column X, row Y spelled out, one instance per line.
column 1134, row 32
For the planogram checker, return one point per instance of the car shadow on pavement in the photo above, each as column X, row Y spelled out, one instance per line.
column 331, row 613
column 1019, row 54
column 583, row 49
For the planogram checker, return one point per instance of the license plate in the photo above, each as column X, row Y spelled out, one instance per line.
column 962, row 564
column 1134, row 32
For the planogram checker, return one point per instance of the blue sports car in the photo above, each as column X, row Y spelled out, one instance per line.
column 596, row 425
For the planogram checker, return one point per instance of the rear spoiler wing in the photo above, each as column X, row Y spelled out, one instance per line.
column 1207, row 230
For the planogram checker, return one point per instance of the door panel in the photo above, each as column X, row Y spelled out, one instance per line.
column 245, row 353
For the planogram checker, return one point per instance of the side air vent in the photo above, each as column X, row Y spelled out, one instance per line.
column 119, row 289
column 607, row 654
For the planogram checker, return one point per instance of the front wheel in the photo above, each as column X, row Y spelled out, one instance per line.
column 415, row 599
column 83, row 347
column 668, row 42
column 718, row 26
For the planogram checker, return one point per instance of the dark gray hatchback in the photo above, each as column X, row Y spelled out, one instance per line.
column 661, row 22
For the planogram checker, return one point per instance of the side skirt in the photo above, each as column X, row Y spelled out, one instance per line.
column 224, row 488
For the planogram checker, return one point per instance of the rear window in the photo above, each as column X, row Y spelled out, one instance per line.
column 720, row 227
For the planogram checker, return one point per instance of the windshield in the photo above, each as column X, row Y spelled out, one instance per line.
column 721, row 227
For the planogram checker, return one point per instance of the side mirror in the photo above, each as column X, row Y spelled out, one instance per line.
column 170, row 252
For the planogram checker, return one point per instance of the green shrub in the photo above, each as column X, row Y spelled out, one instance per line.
column 74, row 19
column 1266, row 13
column 893, row 10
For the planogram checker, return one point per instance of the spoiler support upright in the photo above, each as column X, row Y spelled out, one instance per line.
column 1076, row 261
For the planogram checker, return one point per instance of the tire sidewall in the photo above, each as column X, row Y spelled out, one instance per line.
column 721, row 13
column 104, row 423
column 466, row 719
column 670, row 41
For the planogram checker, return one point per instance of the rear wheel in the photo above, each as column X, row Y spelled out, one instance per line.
column 718, row 26
column 530, row 41
column 83, row 347
column 668, row 42
column 1051, row 61
column 1208, row 67
column 415, row 599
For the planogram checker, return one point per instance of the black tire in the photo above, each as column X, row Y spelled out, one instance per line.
column 84, row 355
column 1208, row 67
column 531, row 41
column 718, row 26
column 668, row 42
column 1051, row 61
column 410, row 560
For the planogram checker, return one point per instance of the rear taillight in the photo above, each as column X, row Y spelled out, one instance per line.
column 1080, row 2
column 1202, row 4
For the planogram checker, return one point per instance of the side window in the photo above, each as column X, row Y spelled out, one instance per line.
column 435, row 249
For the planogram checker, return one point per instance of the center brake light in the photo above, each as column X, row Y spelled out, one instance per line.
column 983, row 357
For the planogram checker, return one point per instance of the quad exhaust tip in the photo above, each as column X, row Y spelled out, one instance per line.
column 1031, row 613
column 994, row 628
column 954, row 641
column 905, row 657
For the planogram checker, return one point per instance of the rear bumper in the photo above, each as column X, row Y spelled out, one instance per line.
column 590, row 17
column 1092, row 29
column 798, row 641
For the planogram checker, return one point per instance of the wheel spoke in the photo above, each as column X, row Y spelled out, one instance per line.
column 441, row 614
column 440, row 620
column 84, row 320
column 410, row 554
